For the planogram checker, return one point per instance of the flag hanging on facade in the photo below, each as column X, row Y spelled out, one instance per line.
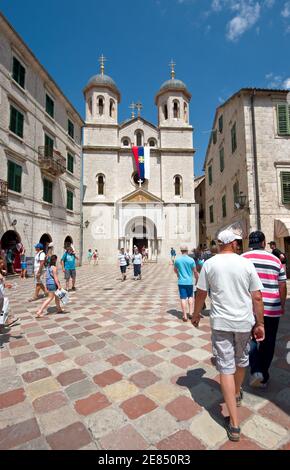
column 142, row 161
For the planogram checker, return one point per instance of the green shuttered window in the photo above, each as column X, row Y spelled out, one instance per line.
column 285, row 186
column 234, row 137
column 69, row 200
column 16, row 121
column 210, row 175
column 18, row 72
column 211, row 214
column 14, row 176
column 214, row 136
column 283, row 117
column 222, row 160
column 224, row 206
column 49, row 106
column 70, row 129
column 70, row 163
column 47, row 190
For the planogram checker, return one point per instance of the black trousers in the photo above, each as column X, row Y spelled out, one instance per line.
column 261, row 354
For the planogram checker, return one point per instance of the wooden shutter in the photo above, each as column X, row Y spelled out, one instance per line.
column 285, row 187
column 224, row 206
column 222, row 159
column 210, row 175
column 283, row 114
column 13, row 118
column 19, row 124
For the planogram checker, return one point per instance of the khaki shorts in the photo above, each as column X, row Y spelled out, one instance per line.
column 231, row 350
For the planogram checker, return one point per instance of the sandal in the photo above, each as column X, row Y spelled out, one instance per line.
column 240, row 397
column 39, row 315
column 233, row 433
column 184, row 319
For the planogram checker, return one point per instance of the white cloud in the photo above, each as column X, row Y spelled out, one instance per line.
column 277, row 81
column 286, row 10
column 286, row 83
column 248, row 13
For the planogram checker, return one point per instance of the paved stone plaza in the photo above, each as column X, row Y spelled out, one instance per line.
column 120, row 370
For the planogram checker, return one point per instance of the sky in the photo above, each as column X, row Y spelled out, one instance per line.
column 219, row 46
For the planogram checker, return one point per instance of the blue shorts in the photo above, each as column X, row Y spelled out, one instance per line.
column 51, row 287
column 23, row 265
column 185, row 291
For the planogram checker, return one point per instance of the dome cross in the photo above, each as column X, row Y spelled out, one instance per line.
column 102, row 59
column 172, row 66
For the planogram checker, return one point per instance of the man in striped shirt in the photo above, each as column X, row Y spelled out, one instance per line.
column 273, row 277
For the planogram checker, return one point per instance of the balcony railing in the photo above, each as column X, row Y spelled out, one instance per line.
column 3, row 193
column 51, row 161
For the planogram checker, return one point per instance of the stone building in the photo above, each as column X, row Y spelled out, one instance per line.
column 247, row 166
column 40, row 152
column 199, row 195
column 119, row 210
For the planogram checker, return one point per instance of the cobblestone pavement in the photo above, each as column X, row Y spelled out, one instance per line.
column 120, row 370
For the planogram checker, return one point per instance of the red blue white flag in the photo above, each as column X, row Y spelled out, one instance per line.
column 142, row 161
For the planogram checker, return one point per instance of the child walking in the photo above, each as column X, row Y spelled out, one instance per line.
column 52, row 284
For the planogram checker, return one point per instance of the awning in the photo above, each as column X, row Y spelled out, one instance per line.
column 239, row 227
column 282, row 228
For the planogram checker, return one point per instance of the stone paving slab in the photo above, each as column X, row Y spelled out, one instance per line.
column 120, row 370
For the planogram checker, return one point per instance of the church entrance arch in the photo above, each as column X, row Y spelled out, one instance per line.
column 141, row 232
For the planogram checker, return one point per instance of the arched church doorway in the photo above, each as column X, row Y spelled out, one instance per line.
column 11, row 248
column 45, row 239
column 141, row 232
column 68, row 241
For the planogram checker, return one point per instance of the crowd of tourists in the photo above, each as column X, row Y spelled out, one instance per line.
column 247, row 294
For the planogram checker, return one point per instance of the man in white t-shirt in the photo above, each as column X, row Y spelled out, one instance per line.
column 39, row 261
column 122, row 257
column 235, row 290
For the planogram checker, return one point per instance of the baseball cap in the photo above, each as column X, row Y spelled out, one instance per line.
column 272, row 242
column 50, row 245
column 227, row 236
column 183, row 248
column 256, row 238
column 39, row 245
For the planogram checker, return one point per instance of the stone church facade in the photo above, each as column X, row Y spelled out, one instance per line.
column 119, row 210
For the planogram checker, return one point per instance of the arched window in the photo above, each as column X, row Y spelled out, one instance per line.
column 165, row 111
column 126, row 142
column 100, row 185
column 139, row 138
column 177, row 185
column 152, row 143
column 185, row 115
column 176, row 113
column 112, row 108
column 100, row 105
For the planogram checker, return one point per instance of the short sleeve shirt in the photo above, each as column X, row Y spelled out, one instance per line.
column 231, row 279
column 185, row 265
column 69, row 261
column 40, row 256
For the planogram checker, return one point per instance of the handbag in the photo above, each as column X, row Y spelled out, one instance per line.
column 62, row 294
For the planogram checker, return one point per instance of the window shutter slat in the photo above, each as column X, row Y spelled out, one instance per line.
column 285, row 181
column 283, row 119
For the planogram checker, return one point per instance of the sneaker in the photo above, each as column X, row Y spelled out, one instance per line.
column 256, row 379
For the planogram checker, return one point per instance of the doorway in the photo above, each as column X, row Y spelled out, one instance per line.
column 11, row 245
column 45, row 239
column 68, row 241
column 140, row 243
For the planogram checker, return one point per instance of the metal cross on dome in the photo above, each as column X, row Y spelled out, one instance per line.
column 102, row 59
column 139, row 106
column 172, row 66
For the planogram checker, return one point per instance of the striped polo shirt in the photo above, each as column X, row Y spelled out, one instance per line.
column 271, row 272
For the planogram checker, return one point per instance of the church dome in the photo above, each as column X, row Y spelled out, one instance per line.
column 173, row 85
column 102, row 80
